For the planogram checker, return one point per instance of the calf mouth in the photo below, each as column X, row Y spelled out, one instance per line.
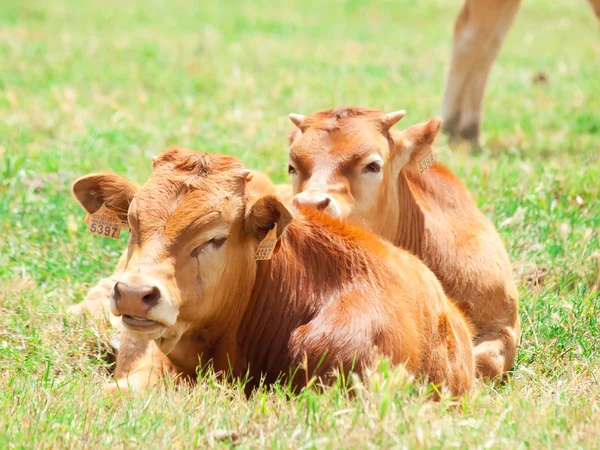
column 142, row 325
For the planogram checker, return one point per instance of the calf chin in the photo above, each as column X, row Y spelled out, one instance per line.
column 143, row 328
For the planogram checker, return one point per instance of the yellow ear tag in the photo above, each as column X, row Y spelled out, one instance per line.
column 426, row 161
column 104, row 222
column 266, row 246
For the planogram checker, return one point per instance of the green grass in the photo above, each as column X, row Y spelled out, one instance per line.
column 95, row 85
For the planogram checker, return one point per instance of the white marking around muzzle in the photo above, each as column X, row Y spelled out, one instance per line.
column 164, row 312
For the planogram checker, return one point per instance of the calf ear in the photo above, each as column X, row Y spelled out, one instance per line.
column 263, row 213
column 414, row 143
column 107, row 188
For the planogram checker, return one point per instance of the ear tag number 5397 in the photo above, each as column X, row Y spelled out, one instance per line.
column 265, row 249
column 104, row 222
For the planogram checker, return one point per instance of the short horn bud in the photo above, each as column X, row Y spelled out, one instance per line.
column 390, row 119
column 297, row 119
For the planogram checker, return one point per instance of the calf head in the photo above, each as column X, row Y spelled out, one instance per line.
column 346, row 161
column 194, row 228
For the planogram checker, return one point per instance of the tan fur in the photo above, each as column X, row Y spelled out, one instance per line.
column 332, row 289
column 479, row 30
column 96, row 301
column 431, row 214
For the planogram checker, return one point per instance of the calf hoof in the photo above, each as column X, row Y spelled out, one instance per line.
column 111, row 389
column 121, row 387
column 489, row 367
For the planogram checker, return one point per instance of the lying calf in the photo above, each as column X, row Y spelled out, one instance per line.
column 192, row 291
column 97, row 300
column 348, row 163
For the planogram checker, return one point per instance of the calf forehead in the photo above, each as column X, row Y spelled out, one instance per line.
column 183, row 188
column 349, row 143
column 172, row 209
column 357, row 139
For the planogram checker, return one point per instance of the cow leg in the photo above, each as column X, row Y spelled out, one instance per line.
column 595, row 4
column 495, row 352
column 140, row 365
column 479, row 30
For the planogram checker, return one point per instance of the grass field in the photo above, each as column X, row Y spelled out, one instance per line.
column 95, row 85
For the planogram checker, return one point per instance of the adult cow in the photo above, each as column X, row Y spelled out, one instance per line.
column 191, row 291
column 348, row 163
column 479, row 29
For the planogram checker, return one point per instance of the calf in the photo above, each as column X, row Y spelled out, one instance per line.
column 348, row 163
column 97, row 300
column 191, row 291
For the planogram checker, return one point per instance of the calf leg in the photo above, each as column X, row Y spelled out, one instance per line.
column 495, row 352
column 97, row 300
column 479, row 30
column 140, row 365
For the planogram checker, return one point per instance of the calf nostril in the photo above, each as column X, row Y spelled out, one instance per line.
column 323, row 204
column 133, row 296
column 152, row 298
column 116, row 292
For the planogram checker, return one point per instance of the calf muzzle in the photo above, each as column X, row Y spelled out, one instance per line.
column 134, row 302
column 319, row 201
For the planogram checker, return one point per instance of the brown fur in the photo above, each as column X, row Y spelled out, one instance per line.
column 331, row 289
column 96, row 301
column 430, row 214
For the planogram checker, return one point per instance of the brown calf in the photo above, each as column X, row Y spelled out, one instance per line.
column 192, row 292
column 349, row 164
column 97, row 300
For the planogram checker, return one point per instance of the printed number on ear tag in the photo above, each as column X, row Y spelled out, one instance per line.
column 426, row 162
column 267, row 245
column 104, row 223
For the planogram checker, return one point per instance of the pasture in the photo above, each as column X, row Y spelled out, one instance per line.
column 88, row 86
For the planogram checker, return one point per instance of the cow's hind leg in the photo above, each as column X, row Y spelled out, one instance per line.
column 495, row 353
column 479, row 30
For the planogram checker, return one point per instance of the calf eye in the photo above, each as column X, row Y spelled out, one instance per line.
column 291, row 170
column 216, row 243
column 373, row 167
